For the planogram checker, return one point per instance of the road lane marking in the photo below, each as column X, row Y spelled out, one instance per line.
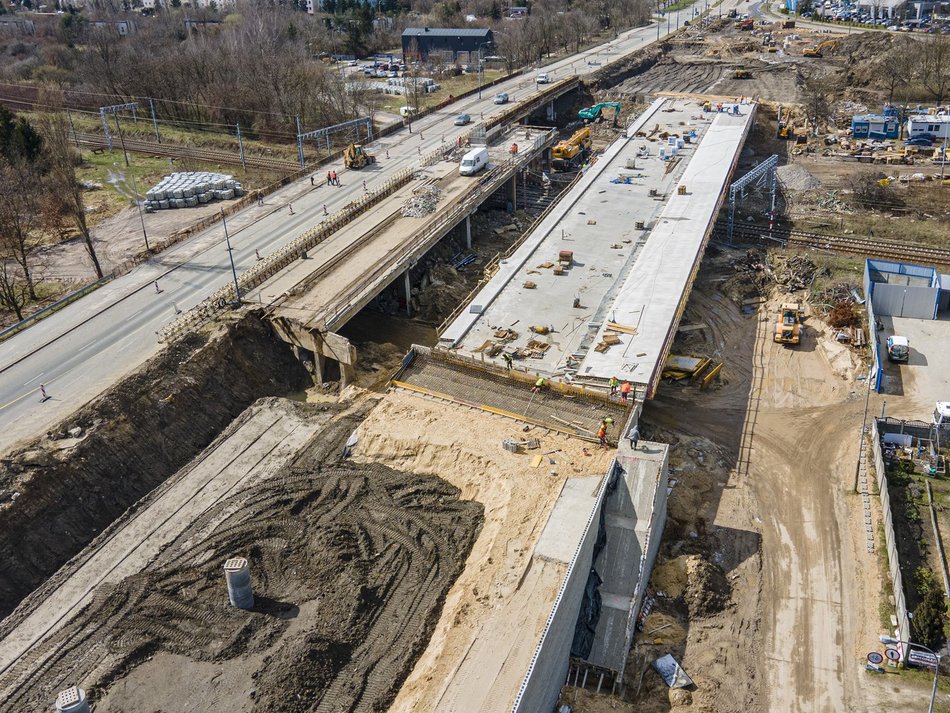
column 34, row 378
column 20, row 398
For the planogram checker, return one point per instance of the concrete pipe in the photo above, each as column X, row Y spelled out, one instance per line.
column 72, row 700
column 237, row 572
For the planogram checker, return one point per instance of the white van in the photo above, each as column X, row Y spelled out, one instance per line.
column 407, row 111
column 474, row 161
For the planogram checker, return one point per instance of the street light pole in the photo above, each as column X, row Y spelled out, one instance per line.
column 885, row 639
column 135, row 197
column 227, row 239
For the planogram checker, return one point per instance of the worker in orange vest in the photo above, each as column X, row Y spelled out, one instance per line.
column 602, row 435
column 625, row 391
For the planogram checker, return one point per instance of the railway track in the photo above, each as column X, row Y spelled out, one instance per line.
column 842, row 244
column 96, row 141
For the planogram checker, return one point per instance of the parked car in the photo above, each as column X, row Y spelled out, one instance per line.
column 543, row 78
column 501, row 98
column 919, row 141
column 462, row 119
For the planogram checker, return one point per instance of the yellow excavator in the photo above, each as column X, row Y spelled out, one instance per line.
column 566, row 152
column 818, row 50
column 355, row 156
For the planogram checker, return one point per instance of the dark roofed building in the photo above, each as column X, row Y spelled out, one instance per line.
column 419, row 42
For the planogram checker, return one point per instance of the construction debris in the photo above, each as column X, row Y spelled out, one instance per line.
column 423, row 202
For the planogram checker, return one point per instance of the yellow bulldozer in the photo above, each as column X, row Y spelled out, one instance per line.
column 355, row 156
column 788, row 323
column 742, row 73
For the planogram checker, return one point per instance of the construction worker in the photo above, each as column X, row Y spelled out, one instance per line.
column 625, row 390
column 329, row 178
column 634, row 436
column 614, row 384
column 539, row 384
column 602, row 436
column 606, row 422
column 507, row 358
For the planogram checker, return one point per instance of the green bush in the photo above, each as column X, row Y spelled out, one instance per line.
column 929, row 619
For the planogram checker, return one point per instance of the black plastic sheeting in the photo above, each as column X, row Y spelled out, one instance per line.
column 589, row 615
column 587, row 619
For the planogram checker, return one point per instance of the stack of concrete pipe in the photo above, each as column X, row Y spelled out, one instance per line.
column 191, row 188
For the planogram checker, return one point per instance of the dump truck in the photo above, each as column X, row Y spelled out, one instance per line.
column 898, row 349
column 354, row 156
column 573, row 149
column 593, row 113
column 788, row 323
column 746, row 24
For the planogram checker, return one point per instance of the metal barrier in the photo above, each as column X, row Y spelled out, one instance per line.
column 222, row 299
column 890, row 539
column 51, row 308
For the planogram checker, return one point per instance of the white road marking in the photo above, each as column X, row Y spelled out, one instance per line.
column 27, row 383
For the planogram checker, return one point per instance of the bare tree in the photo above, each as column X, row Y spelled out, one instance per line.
column 817, row 92
column 897, row 67
column 935, row 66
column 61, row 183
column 19, row 212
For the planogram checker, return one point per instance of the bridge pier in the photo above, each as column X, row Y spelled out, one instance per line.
column 408, row 286
column 513, row 193
column 331, row 353
column 468, row 231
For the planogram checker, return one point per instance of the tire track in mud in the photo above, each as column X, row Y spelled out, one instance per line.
column 374, row 548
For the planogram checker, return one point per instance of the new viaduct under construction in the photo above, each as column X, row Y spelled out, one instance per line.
column 458, row 543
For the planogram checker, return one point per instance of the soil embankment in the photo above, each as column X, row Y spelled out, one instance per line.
column 62, row 490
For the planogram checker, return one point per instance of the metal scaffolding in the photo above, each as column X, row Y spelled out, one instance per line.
column 319, row 133
column 758, row 176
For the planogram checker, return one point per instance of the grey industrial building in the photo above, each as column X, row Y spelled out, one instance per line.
column 419, row 42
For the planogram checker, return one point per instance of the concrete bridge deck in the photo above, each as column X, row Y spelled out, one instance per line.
column 637, row 224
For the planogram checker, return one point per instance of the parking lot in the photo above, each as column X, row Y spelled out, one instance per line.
column 911, row 389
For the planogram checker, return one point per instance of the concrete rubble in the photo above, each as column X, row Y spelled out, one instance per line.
column 423, row 203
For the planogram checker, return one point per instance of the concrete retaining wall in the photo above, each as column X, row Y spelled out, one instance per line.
column 548, row 671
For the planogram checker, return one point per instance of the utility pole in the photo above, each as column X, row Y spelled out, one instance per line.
column 118, row 127
column 138, row 205
column 75, row 138
column 241, row 145
column 151, row 106
column 227, row 239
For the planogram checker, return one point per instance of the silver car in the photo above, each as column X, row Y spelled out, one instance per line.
column 501, row 98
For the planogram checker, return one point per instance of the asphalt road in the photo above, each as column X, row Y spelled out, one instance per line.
column 86, row 347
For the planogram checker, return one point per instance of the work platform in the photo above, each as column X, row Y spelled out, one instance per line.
column 597, row 289
column 571, row 410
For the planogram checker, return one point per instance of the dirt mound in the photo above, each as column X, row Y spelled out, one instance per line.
column 794, row 177
column 61, row 492
column 634, row 64
column 707, row 591
column 349, row 562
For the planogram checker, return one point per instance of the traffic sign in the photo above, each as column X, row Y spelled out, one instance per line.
column 893, row 654
column 922, row 658
column 875, row 658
